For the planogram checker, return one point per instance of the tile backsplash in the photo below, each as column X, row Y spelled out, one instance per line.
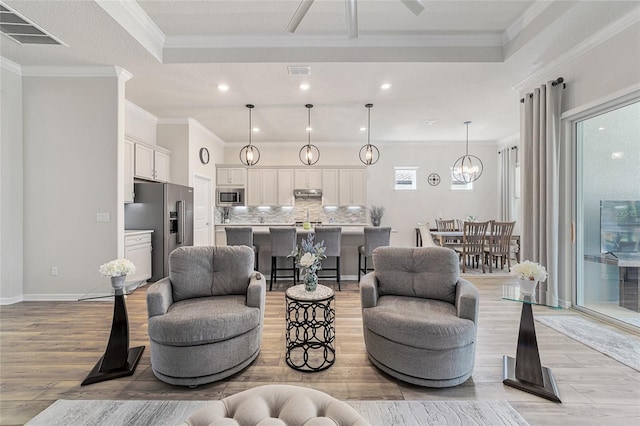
column 298, row 213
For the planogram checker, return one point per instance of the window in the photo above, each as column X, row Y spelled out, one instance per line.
column 405, row 178
column 460, row 186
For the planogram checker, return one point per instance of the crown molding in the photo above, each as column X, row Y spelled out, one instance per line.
column 596, row 39
column 140, row 111
column 123, row 74
column 47, row 71
column 10, row 66
column 137, row 23
column 173, row 120
column 320, row 145
column 524, row 20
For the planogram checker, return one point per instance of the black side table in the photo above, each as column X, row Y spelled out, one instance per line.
column 310, row 328
column 118, row 360
column 525, row 372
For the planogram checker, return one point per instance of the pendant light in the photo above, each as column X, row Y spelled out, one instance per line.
column 249, row 154
column 467, row 168
column 369, row 154
column 309, row 154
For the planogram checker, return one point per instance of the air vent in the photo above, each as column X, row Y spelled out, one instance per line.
column 21, row 30
column 297, row 70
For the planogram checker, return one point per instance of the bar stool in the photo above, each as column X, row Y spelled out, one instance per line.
column 283, row 243
column 332, row 237
column 374, row 237
column 242, row 236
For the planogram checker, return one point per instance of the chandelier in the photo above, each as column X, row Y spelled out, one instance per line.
column 309, row 154
column 467, row 168
column 369, row 154
column 249, row 154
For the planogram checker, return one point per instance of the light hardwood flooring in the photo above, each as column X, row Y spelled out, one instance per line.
column 47, row 349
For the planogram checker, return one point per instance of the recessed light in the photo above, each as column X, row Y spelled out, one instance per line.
column 363, row 129
column 223, row 87
column 309, row 129
column 600, row 128
column 385, row 86
column 256, row 129
column 304, row 86
column 617, row 155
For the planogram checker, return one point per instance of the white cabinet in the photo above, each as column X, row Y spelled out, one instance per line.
column 308, row 178
column 151, row 162
column 330, row 187
column 230, row 176
column 129, row 154
column 261, row 187
column 353, row 187
column 285, row 187
column 137, row 248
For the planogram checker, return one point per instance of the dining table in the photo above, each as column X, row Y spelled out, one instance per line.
column 440, row 238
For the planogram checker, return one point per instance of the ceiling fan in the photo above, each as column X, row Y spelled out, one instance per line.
column 415, row 6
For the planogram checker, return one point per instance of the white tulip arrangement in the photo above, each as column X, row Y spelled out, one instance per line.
column 528, row 270
column 117, row 268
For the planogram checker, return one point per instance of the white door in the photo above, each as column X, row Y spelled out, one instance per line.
column 202, row 210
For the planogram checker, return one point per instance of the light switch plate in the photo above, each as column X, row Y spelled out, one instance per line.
column 102, row 217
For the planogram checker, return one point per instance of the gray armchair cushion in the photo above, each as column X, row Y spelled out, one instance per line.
column 190, row 323
column 159, row 297
column 425, row 272
column 194, row 273
column 431, row 324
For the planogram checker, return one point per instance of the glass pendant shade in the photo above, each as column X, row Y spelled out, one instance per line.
column 249, row 154
column 369, row 154
column 309, row 154
column 467, row 168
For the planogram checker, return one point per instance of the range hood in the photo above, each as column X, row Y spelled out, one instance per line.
column 307, row 193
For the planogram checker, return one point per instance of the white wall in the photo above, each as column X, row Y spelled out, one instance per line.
column 70, row 174
column 404, row 209
column 11, row 185
column 174, row 136
column 140, row 124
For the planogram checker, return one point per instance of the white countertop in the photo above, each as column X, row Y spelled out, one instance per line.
column 137, row 231
column 291, row 224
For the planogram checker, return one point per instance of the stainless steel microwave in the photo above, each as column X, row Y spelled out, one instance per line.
column 230, row 197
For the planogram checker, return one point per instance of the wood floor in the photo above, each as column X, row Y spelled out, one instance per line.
column 47, row 349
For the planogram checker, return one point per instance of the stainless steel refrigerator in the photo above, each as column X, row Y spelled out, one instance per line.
column 168, row 210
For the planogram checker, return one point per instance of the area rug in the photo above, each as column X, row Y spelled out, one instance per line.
column 618, row 346
column 379, row 413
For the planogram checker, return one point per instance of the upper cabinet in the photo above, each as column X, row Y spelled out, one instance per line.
column 285, row 187
column 129, row 154
column 152, row 162
column 261, row 188
column 308, row 178
column 230, row 176
column 330, row 187
column 353, row 187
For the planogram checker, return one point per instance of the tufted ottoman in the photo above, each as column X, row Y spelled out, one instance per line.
column 277, row 405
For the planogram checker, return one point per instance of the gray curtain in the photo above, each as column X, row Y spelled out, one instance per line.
column 540, row 165
column 506, row 173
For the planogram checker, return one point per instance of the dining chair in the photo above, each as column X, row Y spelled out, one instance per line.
column 448, row 225
column 499, row 244
column 242, row 236
column 473, row 242
column 283, row 243
column 332, row 238
column 425, row 236
column 374, row 237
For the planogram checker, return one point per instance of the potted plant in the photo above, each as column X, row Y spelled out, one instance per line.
column 375, row 213
column 309, row 258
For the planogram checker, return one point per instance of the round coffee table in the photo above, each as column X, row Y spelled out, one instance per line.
column 310, row 328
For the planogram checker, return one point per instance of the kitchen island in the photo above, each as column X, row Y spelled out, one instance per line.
column 352, row 237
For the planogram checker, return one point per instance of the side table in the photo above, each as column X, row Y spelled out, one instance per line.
column 310, row 328
column 118, row 360
column 525, row 372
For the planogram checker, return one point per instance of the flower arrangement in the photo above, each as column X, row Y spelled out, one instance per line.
column 528, row 270
column 375, row 213
column 117, row 268
column 309, row 257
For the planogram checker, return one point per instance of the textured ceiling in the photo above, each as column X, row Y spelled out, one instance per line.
column 456, row 61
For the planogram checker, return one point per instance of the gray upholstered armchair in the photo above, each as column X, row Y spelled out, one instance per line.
column 419, row 317
column 206, row 317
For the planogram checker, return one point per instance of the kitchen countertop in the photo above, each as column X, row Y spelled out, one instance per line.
column 291, row 224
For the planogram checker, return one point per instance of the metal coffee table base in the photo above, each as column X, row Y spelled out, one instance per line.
column 549, row 390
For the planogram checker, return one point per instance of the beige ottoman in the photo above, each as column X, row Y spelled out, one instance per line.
column 277, row 405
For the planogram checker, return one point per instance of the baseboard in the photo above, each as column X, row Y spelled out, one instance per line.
column 10, row 300
column 56, row 297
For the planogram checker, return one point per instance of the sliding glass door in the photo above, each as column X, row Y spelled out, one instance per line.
column 608, row 213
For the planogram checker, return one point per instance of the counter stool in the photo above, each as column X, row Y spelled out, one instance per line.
column 242, row 236
column 283, row 242
column 332, row 237
column 374, row 237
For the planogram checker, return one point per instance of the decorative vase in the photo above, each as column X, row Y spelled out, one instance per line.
column 310, row 281
column 375, row 222
column 527, row 286
column 119, row 281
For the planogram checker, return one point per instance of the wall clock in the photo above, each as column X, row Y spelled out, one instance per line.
column 434, row 179
column 204, row 155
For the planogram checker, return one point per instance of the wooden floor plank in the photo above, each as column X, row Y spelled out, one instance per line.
column 47, row 348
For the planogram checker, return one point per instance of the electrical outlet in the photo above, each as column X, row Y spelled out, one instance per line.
column 102, row 217
column 54, row 271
